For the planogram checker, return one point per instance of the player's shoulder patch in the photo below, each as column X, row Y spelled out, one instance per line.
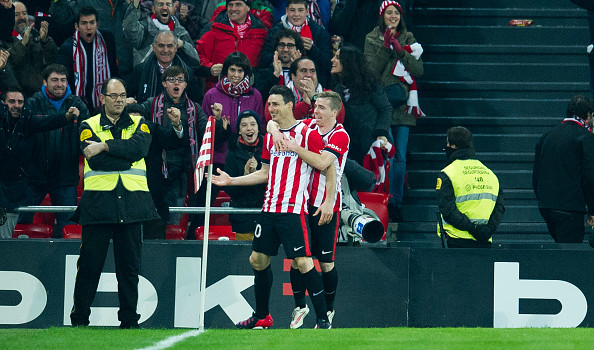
column 438, row 185
column 145, row 128
column 85, row 134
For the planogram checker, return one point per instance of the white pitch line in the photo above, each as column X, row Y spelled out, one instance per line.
column 169, row 342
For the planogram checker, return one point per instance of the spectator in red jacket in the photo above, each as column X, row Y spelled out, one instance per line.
column 233, row 30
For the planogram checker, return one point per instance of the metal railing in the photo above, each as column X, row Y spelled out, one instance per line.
column 182, row 210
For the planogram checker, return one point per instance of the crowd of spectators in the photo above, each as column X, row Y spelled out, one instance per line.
column 226, row 57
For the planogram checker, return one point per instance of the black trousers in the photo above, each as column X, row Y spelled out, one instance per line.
column 564, row 226
column 93, row 250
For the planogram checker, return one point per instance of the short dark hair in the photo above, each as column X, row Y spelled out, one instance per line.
column 106, row 83
column 579, row 106
column 54, row 68
column 295, row 65
column 11, row 89
column 288, row 33
column 460, row 137
column 333, row 97
column 290, row 2
column 237, row 59
column 174, row 71
column 285, row 93
column 86, row 11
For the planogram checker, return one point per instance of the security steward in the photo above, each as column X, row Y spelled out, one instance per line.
column 468, row 195
column 114, row 203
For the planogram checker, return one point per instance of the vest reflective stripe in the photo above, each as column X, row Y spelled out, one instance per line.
column 133, row 179
column 476, row 189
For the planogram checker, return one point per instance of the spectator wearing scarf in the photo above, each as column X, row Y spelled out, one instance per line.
column 235, row 95
column 90, row 57
column 396, row 58
column 316, row 40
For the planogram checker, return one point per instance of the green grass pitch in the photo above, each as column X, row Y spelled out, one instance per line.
column 341, row 339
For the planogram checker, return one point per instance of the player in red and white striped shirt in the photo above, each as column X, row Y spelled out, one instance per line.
column 283, row 218
column 323, row 201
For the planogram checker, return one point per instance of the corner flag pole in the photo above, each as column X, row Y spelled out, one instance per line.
column 205, row 248
column 205, row 158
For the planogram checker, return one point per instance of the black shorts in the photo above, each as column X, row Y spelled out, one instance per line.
column 323, row 238
column 291, row 230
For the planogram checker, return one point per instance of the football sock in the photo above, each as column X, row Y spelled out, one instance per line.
column 262, row 285
column 315, row 287
column 330, row 279
column 298, row 286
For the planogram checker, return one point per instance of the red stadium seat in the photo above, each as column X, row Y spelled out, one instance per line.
column 378, row 202
column 72, row 231
column 222, row 200
column 175, row 232
column 216, row 233
column 33, row 230
column 45, row 218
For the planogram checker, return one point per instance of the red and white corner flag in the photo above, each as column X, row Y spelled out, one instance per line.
column 205, row 154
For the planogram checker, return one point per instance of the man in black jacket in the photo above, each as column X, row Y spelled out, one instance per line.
column 17, row 124
column 53, row 168
column 114, row 204
column 468, row 195
column 563, row 176
column 90, row 57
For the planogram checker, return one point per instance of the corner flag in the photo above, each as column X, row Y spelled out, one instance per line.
column 205, row 154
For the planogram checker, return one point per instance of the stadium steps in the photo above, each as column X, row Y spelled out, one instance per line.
column 507, row 84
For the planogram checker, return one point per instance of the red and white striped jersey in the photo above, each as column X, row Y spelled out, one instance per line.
column 336, row 141
column 289, row 175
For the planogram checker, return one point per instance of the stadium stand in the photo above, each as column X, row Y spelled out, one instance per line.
column 507, row 84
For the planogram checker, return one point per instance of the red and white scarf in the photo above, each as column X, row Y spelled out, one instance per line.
column 169, row 26
column 304, row 30
column 399, row 70
column 101, row 70
column 314, row 12
column 577, row 120
column 236, row 90
column 17, row 35
column 157, row 112
column 377, row 161
column 242, row 29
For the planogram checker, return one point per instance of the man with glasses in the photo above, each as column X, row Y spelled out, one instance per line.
column 114, row 204
column 145, row 81
column 171, row 155
column 316, row 40
column 288, row 47
column 141, row 30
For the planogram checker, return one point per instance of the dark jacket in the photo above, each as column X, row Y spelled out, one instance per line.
column 353, row 19
column 145, row 81
column 16, row 150
column 118, row 206
column 446, row 200
column 244, row 196
column 366, row 118
column 177, row 149
column 320, row 52
column 65, row 58
column 563, row 174
column 55, row 162
column 30, row 61
column 110, row 17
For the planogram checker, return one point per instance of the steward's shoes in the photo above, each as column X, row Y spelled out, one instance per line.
column 256, row 323
column 330, row 316
column 395, row 214
column 298, row 316
column 323, row 324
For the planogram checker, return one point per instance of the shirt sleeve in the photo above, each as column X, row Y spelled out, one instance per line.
column 338, row 144
column 266, row 149
column 314, row 141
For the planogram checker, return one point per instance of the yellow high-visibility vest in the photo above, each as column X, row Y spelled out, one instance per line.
column 133, row 179
column 475, row 189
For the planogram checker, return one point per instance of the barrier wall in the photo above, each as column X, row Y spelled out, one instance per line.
column 378, row 287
